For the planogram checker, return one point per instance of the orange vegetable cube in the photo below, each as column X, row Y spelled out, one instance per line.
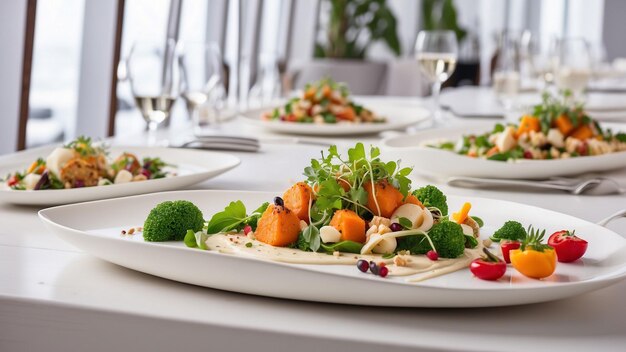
column 384, row 199
column 527, row 124
column 297, row 199
column 350, row 225
column 278, row 226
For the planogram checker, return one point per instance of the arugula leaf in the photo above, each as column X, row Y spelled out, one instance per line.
column 309, row 239
column 343, row 246
column 228, row 219
column 234, row 218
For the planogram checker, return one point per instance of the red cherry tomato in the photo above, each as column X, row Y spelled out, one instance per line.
column 489, row 267
column 12, row 181
column 506, row 246
column 567, row 245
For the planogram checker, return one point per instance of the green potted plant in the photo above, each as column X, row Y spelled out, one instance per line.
column 352, row 27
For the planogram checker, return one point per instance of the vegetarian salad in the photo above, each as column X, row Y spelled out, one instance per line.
column 83, row 163
column 359, row 210
column 555, row 130
column 325, row 101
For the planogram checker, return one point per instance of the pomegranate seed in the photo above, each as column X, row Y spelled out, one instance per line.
column 145, row 173
column 374, row 268
column 383, row 271
column 528, row 154
column 247, row 229
column 362, row 265
column 432, row 255
column 395, row 227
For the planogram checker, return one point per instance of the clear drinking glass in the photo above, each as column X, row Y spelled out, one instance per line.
column 540, row 53
column 154, row 81
column 506, row 74
column 267, row 87
column 202, row 83
column 436, row 53
column 573, row 66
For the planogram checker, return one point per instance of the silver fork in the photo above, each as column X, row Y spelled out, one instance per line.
column 594, row 185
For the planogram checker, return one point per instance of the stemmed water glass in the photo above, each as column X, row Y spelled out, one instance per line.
column 202, row 83
column 506, row 74
column 573, row 66
column 436, row 53
column 539, row 51
column 154, row 81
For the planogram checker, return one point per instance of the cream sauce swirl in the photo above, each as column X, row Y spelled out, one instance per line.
column 419, row 267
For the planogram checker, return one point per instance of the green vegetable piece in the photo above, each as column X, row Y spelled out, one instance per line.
column 343, row 246
column 431, row 196
column 170, row 220
column 511, row 230
column 470, row 241
column 447, row 237
column 190, row 239
column 479, row 221
column 405, row 223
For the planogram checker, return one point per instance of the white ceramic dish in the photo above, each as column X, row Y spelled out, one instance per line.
column 192, row 166
column 398, row 117
column 95, row 228
column 429, row 161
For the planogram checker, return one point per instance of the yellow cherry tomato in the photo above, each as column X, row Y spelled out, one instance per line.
column 533, row 263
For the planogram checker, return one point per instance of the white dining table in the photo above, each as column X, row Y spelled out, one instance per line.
column 53, row 297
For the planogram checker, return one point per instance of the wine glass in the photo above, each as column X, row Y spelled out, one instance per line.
column 267, row 88
column 539, row 52
column 506, row 74
column 436, row 53
column 573, row 66
column 202, row 83
column 153, row 81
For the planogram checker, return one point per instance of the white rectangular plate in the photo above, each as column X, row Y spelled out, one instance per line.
column 192, row 166
column 412, row 150
column 399, row 116
column 95, row 227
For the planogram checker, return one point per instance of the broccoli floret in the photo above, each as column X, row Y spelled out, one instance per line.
column 431, row 196
column 447, row 237
column 511, row 230
column 169, row 221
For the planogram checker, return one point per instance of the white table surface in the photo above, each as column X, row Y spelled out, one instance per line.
column 55, row 298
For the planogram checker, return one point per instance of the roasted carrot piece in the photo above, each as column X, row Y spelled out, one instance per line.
column 461, row 216
column 492, row 151
column 388, row 198
column 297, row 199
column 527, row 124
column 347, row 113
column 326, row 91
column 564, row 124
column 278, row 226
column 583, row 132
column 411, row 199
column 350, row 225
column 309, row 94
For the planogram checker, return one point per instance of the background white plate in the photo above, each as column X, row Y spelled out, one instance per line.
column 95, row 228
column 443, row 163
column 192, row 166
column 398, row 117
